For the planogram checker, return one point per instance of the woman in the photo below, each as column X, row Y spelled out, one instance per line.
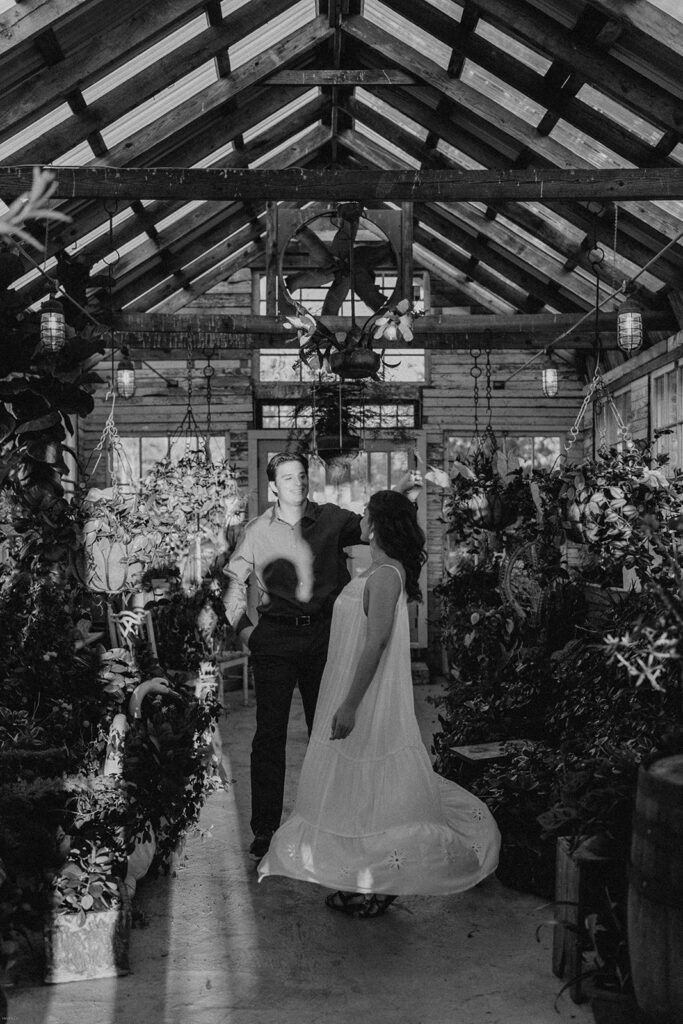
column 372, row 819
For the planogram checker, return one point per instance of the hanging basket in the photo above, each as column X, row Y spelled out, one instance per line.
column 113, row 566
column 334, row 446
column 355, row 364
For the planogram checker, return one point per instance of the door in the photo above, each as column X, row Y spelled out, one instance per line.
column 379, row 465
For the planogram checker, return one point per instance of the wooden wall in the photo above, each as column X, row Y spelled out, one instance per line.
column 447, row 408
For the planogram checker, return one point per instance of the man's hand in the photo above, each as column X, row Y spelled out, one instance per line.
column 343, row 722
column 410, row 484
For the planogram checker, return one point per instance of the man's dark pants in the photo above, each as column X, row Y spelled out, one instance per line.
column 283, row 655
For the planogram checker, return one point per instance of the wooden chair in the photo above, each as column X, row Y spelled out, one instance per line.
column 130, row 625
column 229, row 659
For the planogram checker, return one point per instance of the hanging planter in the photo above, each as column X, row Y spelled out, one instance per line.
column 355, row 364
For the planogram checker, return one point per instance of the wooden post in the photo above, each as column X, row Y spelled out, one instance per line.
column 271, row 259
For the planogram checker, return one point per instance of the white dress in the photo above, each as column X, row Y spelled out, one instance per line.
column 371, row 815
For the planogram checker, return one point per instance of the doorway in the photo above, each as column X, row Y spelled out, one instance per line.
column 380, row 463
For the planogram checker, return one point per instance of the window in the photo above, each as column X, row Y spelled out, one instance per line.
column 282, row 365
column 533, row 452
column 666, row 403
column 371, row 416
column 312, row 297
column 138, row 454
column 607, row 426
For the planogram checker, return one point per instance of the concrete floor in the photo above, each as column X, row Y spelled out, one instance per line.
column 221, row 949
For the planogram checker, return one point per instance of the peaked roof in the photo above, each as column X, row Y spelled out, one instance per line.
column 411, row 85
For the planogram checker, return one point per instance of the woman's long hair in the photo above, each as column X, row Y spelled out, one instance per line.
column 394, row 519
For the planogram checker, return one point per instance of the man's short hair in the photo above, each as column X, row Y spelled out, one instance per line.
column 280, row 458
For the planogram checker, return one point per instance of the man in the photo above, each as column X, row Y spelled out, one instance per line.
column 295, row 550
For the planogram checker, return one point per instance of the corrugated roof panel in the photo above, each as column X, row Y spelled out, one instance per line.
column 282, row 148
column 275, row 30
column 375, row 102
column 34, row 131
column 502, row 93
column 77, row 157
column 604, row 105
column 407, row 32
column 279, row 116
column 216, row 156
column 387, row 145
column 177, row 215
column 143, row 60
column 153, row 108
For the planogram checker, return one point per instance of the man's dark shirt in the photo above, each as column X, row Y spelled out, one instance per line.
column 299, row 569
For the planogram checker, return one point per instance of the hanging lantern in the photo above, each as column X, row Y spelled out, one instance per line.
column 125, row 376
column 52, row 325
column 549, row 379
column 629, row 327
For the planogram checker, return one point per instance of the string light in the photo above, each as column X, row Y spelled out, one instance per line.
column 125, row 375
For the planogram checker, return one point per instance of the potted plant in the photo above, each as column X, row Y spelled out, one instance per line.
column 88, row 933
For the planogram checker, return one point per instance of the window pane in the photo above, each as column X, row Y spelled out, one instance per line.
column 379, row 470
column 399, row 464
column 546, row 452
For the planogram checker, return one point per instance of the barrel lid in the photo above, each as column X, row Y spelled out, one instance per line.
column 670, row 768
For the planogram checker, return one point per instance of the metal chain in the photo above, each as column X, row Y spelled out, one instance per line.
column 208, row 373
column 475, row 374
column 614, row 246
column 488, row 386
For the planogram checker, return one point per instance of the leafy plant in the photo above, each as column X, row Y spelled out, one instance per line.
column 88, row 881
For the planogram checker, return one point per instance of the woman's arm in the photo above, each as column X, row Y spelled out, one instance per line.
column 382, row 592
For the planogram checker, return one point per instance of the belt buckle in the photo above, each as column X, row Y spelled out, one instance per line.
column 303, row 620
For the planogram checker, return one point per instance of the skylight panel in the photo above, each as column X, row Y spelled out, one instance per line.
column 161, row 50
column 407, row 32
column 35, row 130
column 6, row 4
column 447, row 7
column 604, row 105
column 274, row 31
column 155, row 107
column 177, row 215
column 677, row 153
column 588, row 148
column 502, row 93
column 386, row 145
column 512, row 47
column 279, row 116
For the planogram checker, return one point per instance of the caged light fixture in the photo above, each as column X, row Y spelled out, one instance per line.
column 125, row 375
column 52, row 324
column 629, row 326
column 549, row 381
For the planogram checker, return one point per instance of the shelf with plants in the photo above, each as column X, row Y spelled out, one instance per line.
column 593, row 696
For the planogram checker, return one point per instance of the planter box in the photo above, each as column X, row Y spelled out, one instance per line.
column 96, row 947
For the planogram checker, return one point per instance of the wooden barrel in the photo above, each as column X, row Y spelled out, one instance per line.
column 655, row 898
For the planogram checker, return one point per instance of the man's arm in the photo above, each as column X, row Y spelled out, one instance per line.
column 235, row 600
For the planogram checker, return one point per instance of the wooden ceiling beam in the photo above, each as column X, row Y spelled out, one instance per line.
column 548, row 37
column 23, row 22
column 112, row 48
column 192, row 254
column 515, row 330
column 89, row 217
column 545, row 185
column 123, row 99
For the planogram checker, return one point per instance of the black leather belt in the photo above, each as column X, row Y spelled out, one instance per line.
column 295, row 620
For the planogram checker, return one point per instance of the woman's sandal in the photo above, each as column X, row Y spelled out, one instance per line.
column 358, row 904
